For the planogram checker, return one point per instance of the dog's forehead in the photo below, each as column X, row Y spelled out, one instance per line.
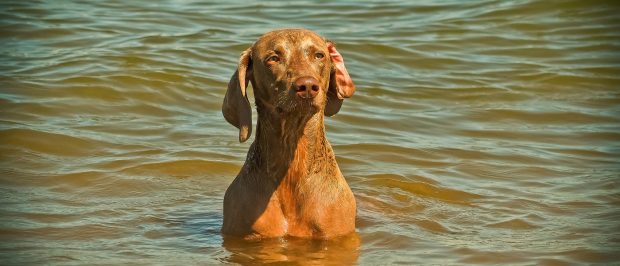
column 288, row 38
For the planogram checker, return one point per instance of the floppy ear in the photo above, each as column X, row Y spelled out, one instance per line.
column 236, row 107
column 340, row 83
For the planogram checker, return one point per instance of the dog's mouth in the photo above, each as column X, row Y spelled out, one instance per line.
column 310, row 105
column 301, row 106
column 293, row 103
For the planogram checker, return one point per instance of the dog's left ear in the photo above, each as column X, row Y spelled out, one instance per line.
column 236, row 107
column 340, row 83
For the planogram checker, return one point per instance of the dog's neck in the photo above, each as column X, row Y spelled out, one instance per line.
column 291, row 147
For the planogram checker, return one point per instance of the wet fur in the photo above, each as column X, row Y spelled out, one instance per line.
column 290, row 184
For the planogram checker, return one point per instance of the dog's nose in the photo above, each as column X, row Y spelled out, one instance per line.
column 306, row 87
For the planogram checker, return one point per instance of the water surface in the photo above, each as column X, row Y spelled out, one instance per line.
column 481, row 132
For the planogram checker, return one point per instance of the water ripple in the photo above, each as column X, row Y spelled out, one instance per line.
column 472, row 121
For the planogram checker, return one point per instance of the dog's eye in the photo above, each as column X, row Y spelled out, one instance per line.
column 319, row 55
column 273, row 59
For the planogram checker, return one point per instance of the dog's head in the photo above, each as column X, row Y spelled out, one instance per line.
column 291, row 70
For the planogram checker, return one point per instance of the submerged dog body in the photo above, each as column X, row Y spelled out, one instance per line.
column 290, row 184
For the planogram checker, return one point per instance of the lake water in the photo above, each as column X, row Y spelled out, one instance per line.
column 481, row 132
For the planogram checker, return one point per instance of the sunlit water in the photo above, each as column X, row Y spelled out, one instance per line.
column 481, row 131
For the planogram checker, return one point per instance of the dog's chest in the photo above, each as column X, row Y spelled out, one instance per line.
column 286, row 216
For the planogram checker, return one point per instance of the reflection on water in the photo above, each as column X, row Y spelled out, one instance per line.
column 339, row 251
column 481, row 132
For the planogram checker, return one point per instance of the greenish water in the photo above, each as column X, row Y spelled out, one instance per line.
column 481, row 132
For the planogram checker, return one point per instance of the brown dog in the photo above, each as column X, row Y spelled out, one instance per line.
column 290, row 184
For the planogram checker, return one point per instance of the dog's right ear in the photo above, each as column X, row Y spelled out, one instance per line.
column 236, row 107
